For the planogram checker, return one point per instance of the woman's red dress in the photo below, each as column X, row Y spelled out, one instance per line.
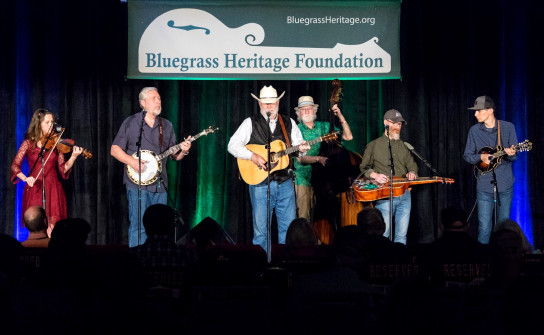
column 55, row 199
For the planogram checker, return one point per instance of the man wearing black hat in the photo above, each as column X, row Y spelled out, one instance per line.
column 376, row 166
column 491, row 133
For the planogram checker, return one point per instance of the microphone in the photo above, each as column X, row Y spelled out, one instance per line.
column 386, row 127
column 268, row 114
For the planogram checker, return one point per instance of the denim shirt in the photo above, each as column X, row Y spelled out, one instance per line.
column 479, row 137
column 127, row 137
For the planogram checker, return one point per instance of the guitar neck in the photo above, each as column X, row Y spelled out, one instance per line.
column 295, row 148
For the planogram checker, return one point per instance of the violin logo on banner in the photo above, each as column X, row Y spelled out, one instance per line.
column 189, row 42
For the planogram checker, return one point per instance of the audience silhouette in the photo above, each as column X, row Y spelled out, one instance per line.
column 160, row 248
column 36, row 222
column 514, row 226
column 455, row 257
column 362, row 280
column 301, row 234
column 374, row 246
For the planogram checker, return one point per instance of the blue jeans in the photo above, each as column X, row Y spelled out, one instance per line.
column 485, row 211
column 148, row 199
column 401, row 211
column 282, row 199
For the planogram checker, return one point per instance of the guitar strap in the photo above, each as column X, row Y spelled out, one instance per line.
column 498, row 133
column 284, row 132
column 285, row 135
column 160, row 134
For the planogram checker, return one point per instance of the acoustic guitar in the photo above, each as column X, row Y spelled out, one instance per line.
column 497, row 155
column 279, row 158
column 370, row 190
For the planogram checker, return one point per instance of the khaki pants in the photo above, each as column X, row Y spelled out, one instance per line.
column 305, row 201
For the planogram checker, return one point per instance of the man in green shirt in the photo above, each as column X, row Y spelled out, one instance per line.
column 376, row 165
column 311, row 129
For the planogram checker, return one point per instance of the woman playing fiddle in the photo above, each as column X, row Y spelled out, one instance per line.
column 40, row 127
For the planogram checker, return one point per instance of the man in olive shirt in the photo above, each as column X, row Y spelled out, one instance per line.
column 376, row 165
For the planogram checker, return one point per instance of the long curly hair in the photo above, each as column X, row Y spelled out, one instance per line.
column 34, row 131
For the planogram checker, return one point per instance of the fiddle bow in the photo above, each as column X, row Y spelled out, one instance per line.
column 62, row 145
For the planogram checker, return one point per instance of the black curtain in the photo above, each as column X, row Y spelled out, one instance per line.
column 70, row 57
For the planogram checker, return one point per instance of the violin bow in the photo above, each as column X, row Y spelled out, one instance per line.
column 50, row 152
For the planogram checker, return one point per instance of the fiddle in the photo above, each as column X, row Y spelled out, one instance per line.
column 64, row 146
column 52, row 140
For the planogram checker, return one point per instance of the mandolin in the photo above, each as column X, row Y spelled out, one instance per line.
column 497, row 155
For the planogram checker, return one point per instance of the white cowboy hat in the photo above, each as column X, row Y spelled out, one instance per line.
column 268, row 95
column 306, row 100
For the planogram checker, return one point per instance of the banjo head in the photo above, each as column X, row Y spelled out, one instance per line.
column 153, row 168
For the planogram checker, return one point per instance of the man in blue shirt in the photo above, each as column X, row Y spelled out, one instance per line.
column 491, row 133
column 157, row 135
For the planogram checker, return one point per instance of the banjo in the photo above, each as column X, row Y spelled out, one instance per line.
column 153, row 165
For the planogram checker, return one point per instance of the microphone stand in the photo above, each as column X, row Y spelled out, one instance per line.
column 412, row 150
column 139, row 145
column 41, row 155
column 268, row 216
column 435, row 173
column 391, row 173
column 180, row 228
column 496, row 200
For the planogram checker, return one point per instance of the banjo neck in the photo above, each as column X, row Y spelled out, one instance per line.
column 175, row 148
column 154, row 164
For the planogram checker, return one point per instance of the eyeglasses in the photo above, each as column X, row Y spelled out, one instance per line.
column 306, row 109
column 396, row 124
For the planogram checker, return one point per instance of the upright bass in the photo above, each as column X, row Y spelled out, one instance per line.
column 333, row 178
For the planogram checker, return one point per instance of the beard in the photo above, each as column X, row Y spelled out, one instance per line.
column 394, row 134
column 307, row 118
column 157, row 111
column 273, row 113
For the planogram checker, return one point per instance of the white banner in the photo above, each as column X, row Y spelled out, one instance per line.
column 212, row 42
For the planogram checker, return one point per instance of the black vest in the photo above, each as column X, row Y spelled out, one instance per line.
column 259, row 135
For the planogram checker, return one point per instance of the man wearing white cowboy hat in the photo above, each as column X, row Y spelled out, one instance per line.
column 255, row 130
column 310, row 128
